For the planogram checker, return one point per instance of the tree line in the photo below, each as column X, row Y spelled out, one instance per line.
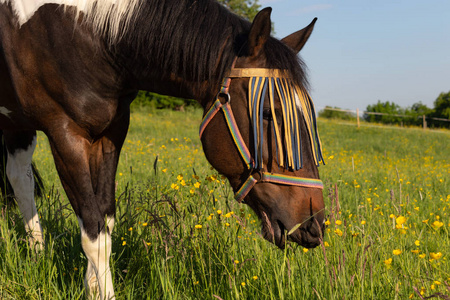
column 391, row 113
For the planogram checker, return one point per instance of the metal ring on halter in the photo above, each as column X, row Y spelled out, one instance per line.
column 226, row 96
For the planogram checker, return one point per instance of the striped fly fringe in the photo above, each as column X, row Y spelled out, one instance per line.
column 287, row 132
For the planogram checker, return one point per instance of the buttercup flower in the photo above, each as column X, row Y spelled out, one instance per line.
column 437, row 224
column 397, row 252
column 435, row 256
column 400, row 220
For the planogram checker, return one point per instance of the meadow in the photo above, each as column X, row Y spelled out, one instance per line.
column 180, row 235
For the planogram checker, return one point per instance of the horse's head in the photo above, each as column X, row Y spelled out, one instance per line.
column 261, row 134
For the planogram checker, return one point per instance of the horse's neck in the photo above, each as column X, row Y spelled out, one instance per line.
column 185, row 53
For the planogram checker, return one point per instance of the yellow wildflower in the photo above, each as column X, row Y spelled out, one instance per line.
column 435, row 256
column 397, row 252
column 437, row 224
column 198, row 226
column 400, row 220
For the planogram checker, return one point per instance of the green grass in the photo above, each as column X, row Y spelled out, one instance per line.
column 374, row 177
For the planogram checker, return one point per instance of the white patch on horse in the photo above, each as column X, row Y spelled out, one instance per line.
column 20, row 174
column 98, row 280
column 4, row 111
column 112, row 17
column 298, row 102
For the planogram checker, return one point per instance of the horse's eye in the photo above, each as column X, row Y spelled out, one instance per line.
column 267, row 114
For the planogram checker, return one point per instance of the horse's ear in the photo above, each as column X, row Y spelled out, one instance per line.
column 260, row 31
column 298, row 39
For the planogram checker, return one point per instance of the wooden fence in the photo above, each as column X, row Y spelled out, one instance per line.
column 357, row 113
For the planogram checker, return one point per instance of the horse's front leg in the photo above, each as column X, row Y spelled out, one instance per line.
column 87, row 170
column 20, row 147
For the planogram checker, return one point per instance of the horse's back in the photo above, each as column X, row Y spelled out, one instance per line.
column 53, row 69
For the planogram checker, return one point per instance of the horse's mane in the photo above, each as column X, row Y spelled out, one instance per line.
column 193, row 39
column 111, row 16
column 199, row 39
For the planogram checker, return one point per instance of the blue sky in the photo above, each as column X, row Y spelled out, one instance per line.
column 363, row 51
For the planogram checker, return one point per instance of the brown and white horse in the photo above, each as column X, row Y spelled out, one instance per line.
column 71, row 68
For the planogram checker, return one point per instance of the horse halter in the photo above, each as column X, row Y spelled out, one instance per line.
column 289, row 154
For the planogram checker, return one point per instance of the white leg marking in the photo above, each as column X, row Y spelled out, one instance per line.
column 98, row 280
column 20, row 174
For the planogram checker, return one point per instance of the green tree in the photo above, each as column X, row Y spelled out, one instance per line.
column 333, row 114
column 441, row 110
column 244, row 8
column 442, row 106
column 415, row 114
column 391, row 110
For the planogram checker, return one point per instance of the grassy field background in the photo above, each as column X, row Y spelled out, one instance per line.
column 180, row 235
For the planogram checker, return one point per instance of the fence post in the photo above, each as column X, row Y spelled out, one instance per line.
column 357, row 116
column 424, row 122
